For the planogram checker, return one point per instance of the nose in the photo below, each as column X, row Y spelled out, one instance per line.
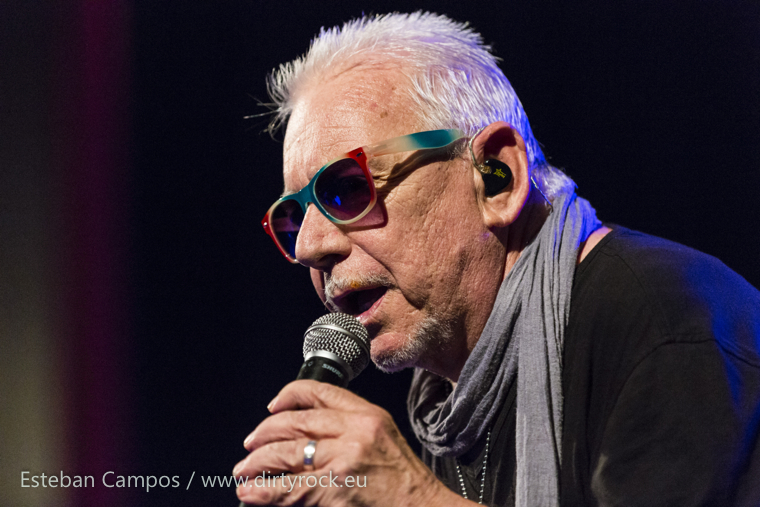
column 321, row 243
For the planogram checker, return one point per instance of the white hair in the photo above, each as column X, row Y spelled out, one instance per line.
column 455, row 80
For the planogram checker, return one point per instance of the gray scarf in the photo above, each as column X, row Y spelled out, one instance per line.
column 524, row 334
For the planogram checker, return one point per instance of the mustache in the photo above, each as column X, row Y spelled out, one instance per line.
column 334, row 284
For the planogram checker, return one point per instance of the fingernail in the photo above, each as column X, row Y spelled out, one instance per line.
column 237, row 468
column 248, row 439
column 272, row 403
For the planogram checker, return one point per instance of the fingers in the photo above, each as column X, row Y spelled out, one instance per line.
column 304, row 394
column 275, row 473
column 277, row 490
column 352, row 436
column 285, row 456
column 314, row 424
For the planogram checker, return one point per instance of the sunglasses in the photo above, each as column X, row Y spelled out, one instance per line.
column 343, row 189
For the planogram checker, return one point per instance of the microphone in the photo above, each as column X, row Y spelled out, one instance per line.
column 335, row 350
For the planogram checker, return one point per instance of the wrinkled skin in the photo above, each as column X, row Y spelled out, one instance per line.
column 354, row 438
column 439, row 247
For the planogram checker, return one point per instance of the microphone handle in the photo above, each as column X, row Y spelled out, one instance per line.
column 324, row 367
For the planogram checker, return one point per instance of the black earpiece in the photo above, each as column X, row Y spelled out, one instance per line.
column 499, row 177
column 495, row 173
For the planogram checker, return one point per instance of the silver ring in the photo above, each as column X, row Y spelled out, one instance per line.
column 308, row 453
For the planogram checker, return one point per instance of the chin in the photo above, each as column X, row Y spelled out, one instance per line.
column 414, row 348
column 391, row 362
column 392, row 353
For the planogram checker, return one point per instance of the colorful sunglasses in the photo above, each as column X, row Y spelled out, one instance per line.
column 343, row 189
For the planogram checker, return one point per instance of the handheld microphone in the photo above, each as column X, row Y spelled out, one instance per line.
column 335, row 350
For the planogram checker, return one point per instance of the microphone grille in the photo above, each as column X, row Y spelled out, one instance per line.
column 342, row 335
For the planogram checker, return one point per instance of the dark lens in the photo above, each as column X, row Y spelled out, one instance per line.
column 285, row 222
column 343, row 190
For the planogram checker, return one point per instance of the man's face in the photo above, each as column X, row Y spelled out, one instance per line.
column 421, row 270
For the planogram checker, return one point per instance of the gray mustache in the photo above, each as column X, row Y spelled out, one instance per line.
column 334, row 284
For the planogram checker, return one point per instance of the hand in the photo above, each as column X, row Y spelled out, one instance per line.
column 354, row 438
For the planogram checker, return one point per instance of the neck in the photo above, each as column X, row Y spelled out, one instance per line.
column 515, row 239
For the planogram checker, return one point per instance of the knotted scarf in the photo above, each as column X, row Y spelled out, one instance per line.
column 522, row 342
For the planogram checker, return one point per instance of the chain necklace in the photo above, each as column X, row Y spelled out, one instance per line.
column 483, row 472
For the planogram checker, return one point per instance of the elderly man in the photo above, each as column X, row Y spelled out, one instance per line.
column 558, row 361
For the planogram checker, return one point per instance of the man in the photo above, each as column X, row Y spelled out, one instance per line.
column 558, row 361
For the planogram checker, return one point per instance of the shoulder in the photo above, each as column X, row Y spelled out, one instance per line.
column 661, row 377
column 683, row 295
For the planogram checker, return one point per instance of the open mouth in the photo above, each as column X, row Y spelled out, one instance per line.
column 358, row 302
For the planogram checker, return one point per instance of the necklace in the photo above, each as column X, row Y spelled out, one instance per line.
column 483, row 472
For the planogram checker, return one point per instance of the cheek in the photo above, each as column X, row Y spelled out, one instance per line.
column 427, row 220
column 417, row 246
column 402, row 240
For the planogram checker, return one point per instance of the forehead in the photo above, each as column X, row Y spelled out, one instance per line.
column 353, row 109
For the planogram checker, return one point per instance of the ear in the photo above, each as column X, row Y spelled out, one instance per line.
column 500, row 141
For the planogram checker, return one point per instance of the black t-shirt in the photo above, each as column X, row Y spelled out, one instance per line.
column 661, row 384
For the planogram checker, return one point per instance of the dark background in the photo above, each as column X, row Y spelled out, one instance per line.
column 651, row 107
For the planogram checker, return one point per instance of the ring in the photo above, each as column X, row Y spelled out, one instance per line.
column 308, row 454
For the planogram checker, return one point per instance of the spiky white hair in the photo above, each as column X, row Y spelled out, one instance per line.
column 454, row 78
